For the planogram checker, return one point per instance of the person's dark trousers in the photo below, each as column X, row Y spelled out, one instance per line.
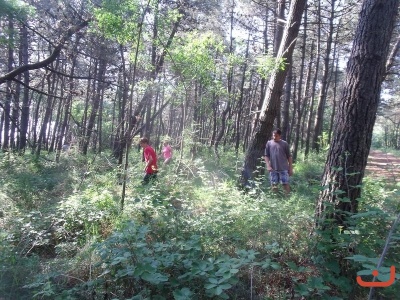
column 149, row 177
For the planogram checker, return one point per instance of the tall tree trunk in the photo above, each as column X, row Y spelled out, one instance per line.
column 26, row 99
column 334, row 101
column 294, row 97
column 35, row 122
column 285, row 126
column 96, row 99
column 355, row 119
column 227, row 109
column 7, row 104
column 319, row 121
column 240, row 102
column 42, row 140
column 272, row 99
column 308, row 102
column 15, row 115
column 263, row 79
column 215, row 104
column 1, row 126
column 65, row 135
column 335, row 73
column 311, row 96
column 90, row 91
column 100, row 123
column 122, row 96
column 280, row 13
column 298, row 104
column 57, row 122
column 196, row 119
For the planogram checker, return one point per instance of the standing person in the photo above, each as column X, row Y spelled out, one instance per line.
column 166, row 152
column 278, row 161
column 150, row 159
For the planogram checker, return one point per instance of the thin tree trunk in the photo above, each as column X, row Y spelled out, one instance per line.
column 312, row 99
column 57, row 123
column 42, row 140
column 227, row 109
column 334, row 101
column 240, row 102
column 26, row 99
column 96, row 99
column 263, row 79
column 319, row 121
column 35, row 122
column 8, row 98
column 15, row 115
column 298, row 107
column 90, row 91
column 286, row 106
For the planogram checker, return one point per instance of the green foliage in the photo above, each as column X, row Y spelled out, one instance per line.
column 174, row 268
column 16, row 8
column 190, row 235
column 15, row 270
column 119, row 20
column 28, row 181
column 266, row 64
column 345, row 252
column 195, row 58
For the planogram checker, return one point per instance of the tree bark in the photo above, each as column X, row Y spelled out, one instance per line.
column 354, row 122
column 26, row 99
column 9, row 96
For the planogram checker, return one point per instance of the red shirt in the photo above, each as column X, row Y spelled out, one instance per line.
column 152, row 167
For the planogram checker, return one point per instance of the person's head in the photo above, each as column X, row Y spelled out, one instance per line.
column 143, row 142
column 276, row 134
column 165, row 143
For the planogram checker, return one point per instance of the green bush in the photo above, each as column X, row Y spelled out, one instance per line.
column 133, row 264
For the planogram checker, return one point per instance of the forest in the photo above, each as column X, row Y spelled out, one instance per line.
column 82, row 81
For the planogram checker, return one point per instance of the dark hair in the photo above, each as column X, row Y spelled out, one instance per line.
column 277, row 131
column 144, row 140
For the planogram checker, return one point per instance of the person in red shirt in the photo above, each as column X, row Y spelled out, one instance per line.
column 150, row 159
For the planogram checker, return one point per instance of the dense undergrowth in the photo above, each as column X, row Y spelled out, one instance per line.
column 192, row 235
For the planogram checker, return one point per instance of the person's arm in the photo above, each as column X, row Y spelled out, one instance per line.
column 268, row 163
column 290, row 159
column 266, row 158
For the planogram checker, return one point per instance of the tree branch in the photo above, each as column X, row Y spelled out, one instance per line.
column 34, row 89
column 391, row 59
column 57, row 49
column 81, row 77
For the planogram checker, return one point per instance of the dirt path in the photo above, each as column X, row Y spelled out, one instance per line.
column 383, row 165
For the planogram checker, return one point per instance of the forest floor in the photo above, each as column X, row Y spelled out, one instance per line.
column 383, row 165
